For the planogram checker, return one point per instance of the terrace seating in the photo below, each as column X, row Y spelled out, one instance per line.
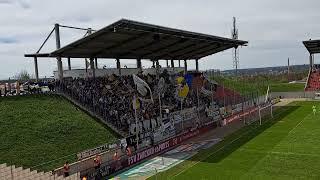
column 110, row 97
column 225, row 96
column 18, row 173
column 313, row 83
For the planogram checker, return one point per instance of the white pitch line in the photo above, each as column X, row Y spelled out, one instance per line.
column 218, row 149
column 278, row 152
column 298, row 124
column 214, row 152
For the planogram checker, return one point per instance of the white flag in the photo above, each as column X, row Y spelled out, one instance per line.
column 267, row 95
column 206, row 92
column 142, row 86
column 161, row 85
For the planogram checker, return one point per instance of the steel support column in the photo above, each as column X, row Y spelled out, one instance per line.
column 311, row 61
column 69, row 63
column 179, row 63
column 197, row 64
column 157, row 68
column 92, row 67
column 167, row 63
column 36, row 72
column 118, row 66
column 185, row 67
column 139, row 66
column 96, row 62
column 172, row 63
column 58, row 45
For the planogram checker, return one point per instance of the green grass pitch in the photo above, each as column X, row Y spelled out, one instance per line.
column 285, row 147
column 39, row 129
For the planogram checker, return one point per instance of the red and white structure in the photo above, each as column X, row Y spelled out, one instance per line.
column 313, row 81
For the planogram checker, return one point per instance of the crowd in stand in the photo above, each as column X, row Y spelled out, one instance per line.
column 111, row 97
column 24, row 88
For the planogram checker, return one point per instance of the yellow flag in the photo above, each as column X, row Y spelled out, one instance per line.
column 179, row 79
column 183, row 92
column 135, row 103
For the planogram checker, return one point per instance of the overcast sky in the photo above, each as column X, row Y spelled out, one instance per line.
column 274, row 28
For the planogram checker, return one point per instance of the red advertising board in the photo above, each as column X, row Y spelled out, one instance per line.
column 240, row 115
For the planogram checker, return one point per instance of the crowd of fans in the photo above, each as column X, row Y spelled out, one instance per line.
column 111, row 97
column 24, row 88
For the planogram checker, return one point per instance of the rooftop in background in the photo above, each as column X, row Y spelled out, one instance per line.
column 127, row 39
column 313, row 46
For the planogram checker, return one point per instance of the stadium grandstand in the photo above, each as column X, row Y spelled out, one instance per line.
column 154, row 109
column 148, row 107
column 313, row 82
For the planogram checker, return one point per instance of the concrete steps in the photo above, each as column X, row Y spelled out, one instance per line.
column 18, row 173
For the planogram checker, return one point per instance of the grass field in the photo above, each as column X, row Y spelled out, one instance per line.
column 259, row 85
column 286, row 147
column 38, row 129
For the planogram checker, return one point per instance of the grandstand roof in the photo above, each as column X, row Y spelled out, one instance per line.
column 313, row 46
column 127, row 39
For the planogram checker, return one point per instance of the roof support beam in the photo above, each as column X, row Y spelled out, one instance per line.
column 199, row 51
column 212, row 51
column 165, row 47
column 162, row 55
column 145, row 46
column 186, row 54
column 119, row 44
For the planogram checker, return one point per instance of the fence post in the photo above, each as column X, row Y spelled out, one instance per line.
column 259, row 114
column 156, row 173
column 11, row 172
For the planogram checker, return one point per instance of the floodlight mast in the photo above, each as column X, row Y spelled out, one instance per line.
column 235, row 53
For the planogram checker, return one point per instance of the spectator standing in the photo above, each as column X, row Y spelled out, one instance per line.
column 97, row 162
column 66, row 169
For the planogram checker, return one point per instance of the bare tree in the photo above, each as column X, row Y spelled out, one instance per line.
column 23, row 75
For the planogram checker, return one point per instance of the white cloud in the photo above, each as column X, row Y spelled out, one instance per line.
column 273, row 28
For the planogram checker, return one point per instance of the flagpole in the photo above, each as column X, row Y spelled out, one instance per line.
column 181, row 113
column 160, row 107
column 135, row 114
column 211, row 95
column 198, row 97
column 198, row 103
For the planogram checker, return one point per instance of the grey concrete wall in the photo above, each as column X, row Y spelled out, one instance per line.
column 302, row 94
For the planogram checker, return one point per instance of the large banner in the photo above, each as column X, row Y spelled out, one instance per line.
column 166, row 131
column 184, row 115
column 96, row 150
